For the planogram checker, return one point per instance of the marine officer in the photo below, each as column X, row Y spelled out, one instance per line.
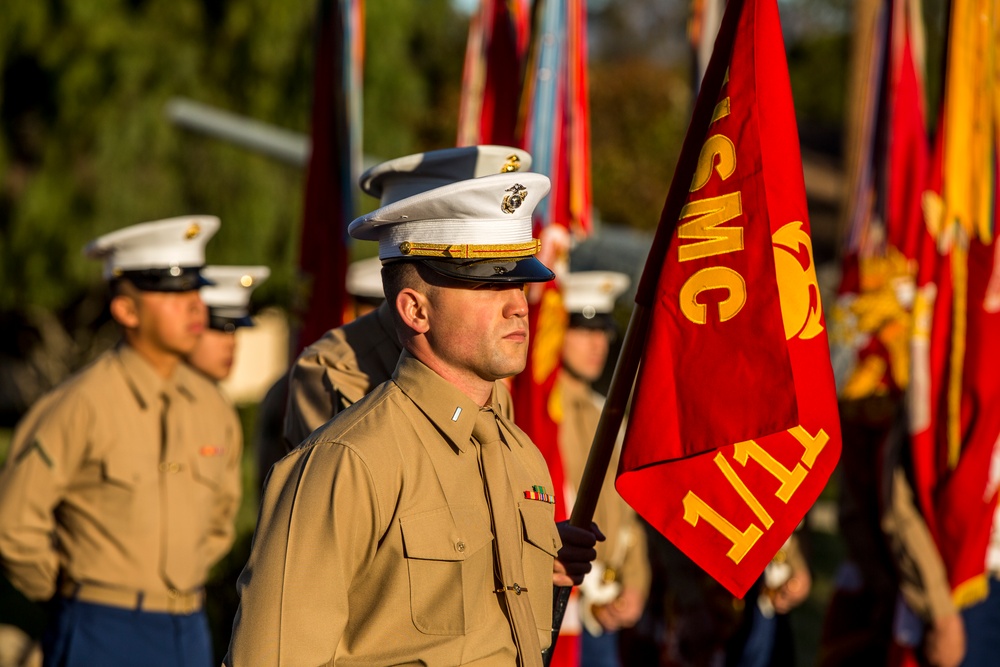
column 348, row 362
column 122, row 483
column 417, row 526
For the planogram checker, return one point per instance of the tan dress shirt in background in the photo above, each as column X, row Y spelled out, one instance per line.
column 338, row 370
column 623, row 553
column 122, row 480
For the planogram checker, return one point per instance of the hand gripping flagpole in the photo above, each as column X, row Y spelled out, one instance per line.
column 627, row 366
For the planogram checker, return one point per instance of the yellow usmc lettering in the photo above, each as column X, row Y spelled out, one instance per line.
column 718, row 155
column 714, row 277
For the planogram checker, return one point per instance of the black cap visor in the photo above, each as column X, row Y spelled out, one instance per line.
column 510, row 270
column 174, row 279
column 227, row 323
column 597, row 321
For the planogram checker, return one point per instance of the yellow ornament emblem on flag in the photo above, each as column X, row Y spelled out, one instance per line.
column 798, row 289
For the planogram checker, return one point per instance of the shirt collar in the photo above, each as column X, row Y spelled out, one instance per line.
column 574, row 388
column 146, row 385
column 451, row 411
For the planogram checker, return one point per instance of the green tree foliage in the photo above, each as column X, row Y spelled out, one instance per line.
column 86, row 146
column 818, row 67
column 639, row 114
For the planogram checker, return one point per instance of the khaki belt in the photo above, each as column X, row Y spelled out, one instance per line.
column 170, row 602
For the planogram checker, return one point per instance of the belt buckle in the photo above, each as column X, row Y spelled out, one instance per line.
column 175, row 601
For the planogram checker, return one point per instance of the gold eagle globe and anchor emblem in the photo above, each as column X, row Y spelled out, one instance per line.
column 798, row 289
column 512, row 164
column 513, row 201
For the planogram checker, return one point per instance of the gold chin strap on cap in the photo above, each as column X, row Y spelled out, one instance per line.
column 470, row 250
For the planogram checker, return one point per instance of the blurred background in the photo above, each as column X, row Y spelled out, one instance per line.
column 92, row 138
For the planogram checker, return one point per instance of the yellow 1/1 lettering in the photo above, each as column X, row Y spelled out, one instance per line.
column 790, row 479
column 813, row 445
column 741, row 488
column 743, row 540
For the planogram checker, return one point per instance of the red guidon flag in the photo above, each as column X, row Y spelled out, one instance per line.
column 734, row 428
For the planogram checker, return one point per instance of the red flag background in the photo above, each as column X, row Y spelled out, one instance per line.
column 493, row 74
column 558, row 136
column 734, row 429
column 329, row 201
column 954, row 415
column 955, row 488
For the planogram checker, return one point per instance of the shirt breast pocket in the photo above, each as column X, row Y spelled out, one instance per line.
column 209, row 469
column 541, row 545
column 450, row 566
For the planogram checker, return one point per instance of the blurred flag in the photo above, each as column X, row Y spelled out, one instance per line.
column 890, row 152
column 557, row 136
column 734, row 428
column 955, row 395
column 494, row 73
column 703, row 26
column 332, row 171
column 556, row 119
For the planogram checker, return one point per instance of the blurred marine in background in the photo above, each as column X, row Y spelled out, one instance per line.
column 228, row 302
column 614, row 593
column 122, row 484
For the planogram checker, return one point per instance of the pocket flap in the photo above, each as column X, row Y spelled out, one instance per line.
column 121, row 469
column 438, row 535
column 209, row 468
column 539, row 526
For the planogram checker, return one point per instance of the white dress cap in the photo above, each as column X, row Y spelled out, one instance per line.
column 591, row 293
column 406, row 176
column 364, row 279
column 478, row 229
column 164, row 255
column 228, row 298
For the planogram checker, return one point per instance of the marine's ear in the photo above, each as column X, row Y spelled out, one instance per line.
column 125, row 310
column 412, row 310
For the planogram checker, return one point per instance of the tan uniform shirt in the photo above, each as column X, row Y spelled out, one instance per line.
column 338, row 370
column 136, row 478
column 374, row 544
column 923, row 580
column 624, row 551
column 342, row 367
